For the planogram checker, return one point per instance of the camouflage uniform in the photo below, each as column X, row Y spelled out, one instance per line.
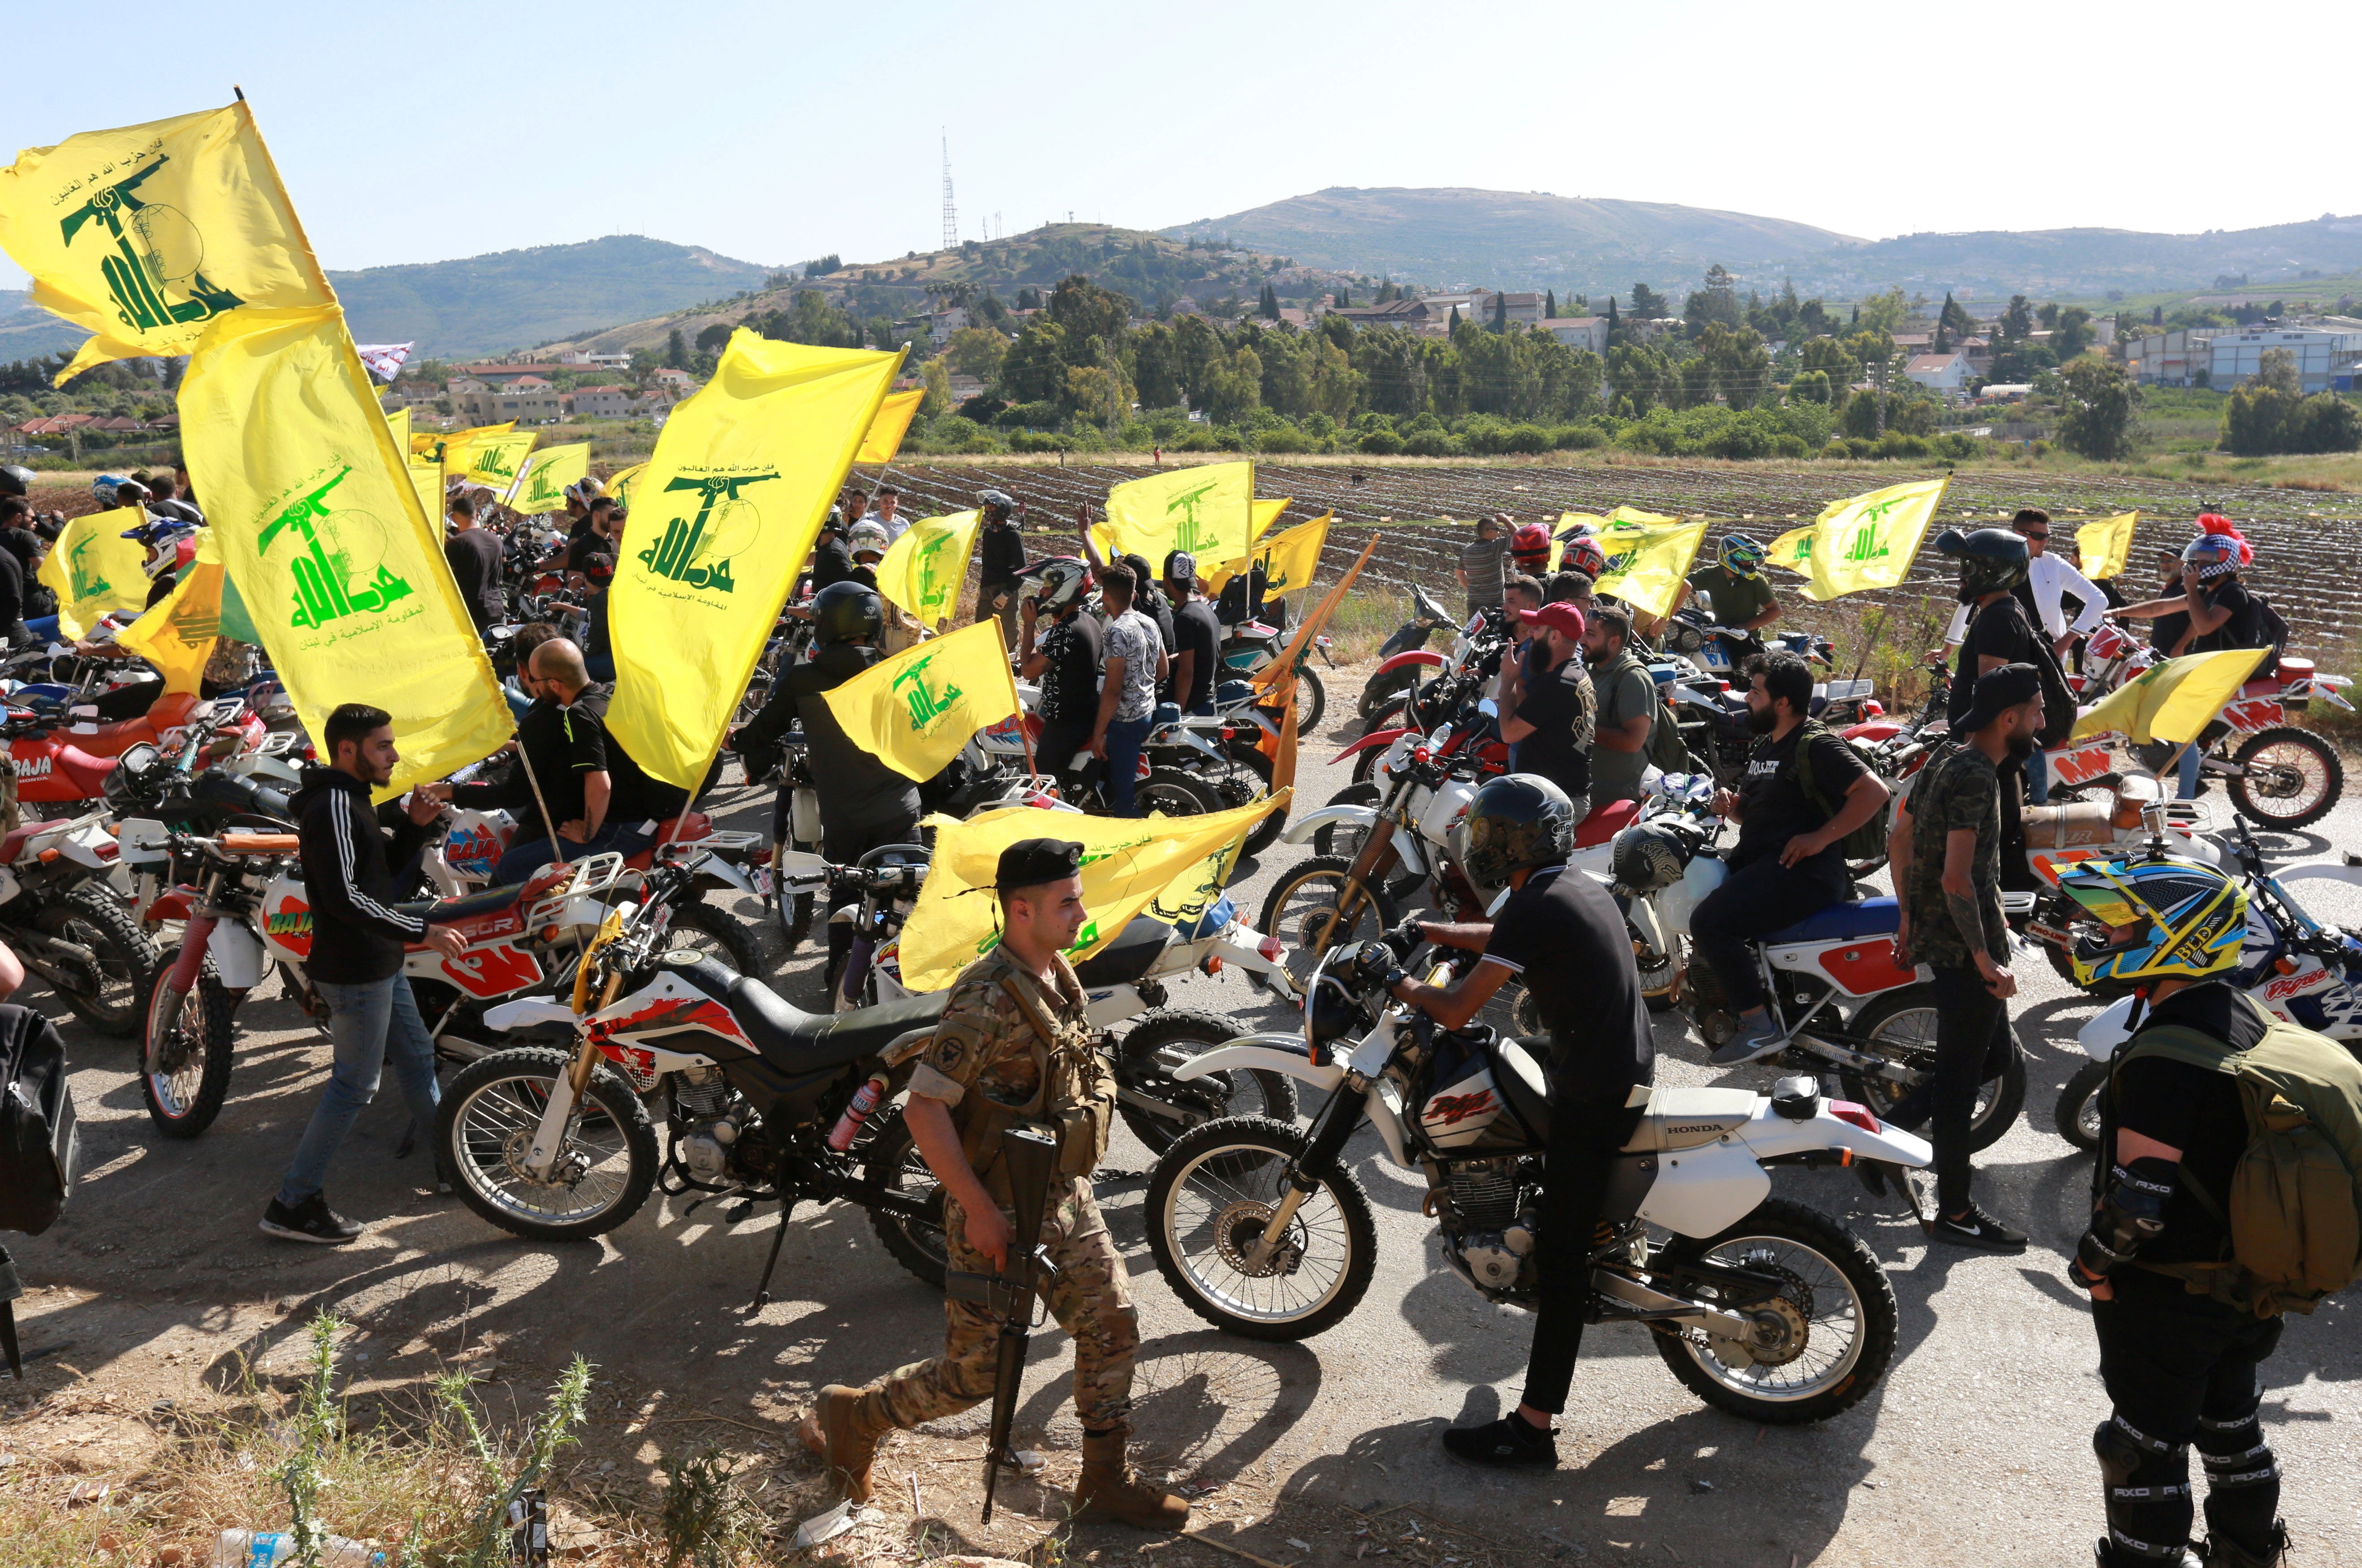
column 988, row 1061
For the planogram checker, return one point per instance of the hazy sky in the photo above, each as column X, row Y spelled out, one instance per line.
column 421, row 131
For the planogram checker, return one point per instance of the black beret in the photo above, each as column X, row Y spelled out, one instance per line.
column 1029, row 861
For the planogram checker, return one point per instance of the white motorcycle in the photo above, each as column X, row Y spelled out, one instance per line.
column 1762, row 1307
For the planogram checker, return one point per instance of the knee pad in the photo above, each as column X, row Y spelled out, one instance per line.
column 2129, row 1456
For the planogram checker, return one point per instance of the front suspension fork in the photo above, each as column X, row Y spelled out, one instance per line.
column 1336, row 1124
column 187, row 965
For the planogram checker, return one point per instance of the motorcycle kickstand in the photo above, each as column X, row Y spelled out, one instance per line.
column 763, row 1286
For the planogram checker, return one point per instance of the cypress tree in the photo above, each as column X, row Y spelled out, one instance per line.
column 1550, row 304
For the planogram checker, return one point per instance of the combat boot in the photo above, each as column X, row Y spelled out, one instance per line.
column 1109, row 1489
column 844, row 1429
column 2222, row 1551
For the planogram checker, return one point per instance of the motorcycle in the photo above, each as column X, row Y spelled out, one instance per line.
column 59, row 915
column 1394, row 676
column 247, row 913
column 1762, row 1308
column 1249, row 646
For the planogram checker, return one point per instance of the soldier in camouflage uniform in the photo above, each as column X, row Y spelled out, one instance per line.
column 1015, row 1047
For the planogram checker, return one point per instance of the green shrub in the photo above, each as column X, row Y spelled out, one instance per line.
column 1578, row 438
column 1837, row 447
column 1380, row 442
column 1283, row 438
column 1431, row 443
column 1200, row 439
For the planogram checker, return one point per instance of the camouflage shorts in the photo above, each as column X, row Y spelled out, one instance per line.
column 1090, row 1298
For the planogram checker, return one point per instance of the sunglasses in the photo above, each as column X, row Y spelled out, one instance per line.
column 2035, row 539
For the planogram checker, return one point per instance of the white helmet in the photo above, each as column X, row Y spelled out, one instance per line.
column 867, row 538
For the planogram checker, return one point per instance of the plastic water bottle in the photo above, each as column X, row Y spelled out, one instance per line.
column 865, row 1100
column 268, row 1549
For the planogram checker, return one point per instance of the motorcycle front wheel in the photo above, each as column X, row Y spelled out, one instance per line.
column 718, row 934
column 485, row 1129
column 1305, row 911
column 186, row 1091
column 1900, row 1026
column 109, row 990
column 1162, row 1040
column 1210, row 1197
column 1394, row 683
column 2078, row 1115
column 1822, row 1342
column 1342, row 841
column 2290, row 778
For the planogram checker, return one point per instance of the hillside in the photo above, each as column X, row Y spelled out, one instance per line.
column 1506, row 237
column 2092, row 261
column 26, row 330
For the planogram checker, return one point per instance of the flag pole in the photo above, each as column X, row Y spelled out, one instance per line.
column 525, row 760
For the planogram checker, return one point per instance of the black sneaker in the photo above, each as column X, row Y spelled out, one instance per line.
column 310, row 1221
column 1978, row 1229
column 1511, row 1443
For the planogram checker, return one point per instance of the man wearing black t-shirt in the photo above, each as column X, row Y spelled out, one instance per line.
column 1197, row 637
column 475, row 557
column 1065, row 658
column 1790, row 858
column 1559, row 932
column 1551, row 713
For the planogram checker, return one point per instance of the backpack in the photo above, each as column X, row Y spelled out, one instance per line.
column 2273, row 627
column 39, row 1144
column 1867, row 842
column 1666, row 750
column 2294, row 1209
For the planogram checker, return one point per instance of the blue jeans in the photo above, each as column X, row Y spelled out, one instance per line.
column 528, row 855
column 2038, row 779
column 1123, row 738
column 366, row 1024
column 2192, row 757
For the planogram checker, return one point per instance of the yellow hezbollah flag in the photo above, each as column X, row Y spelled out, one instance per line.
column 1572, row 525
column 1289, row 560
column 177, row 634
column 324, row 540
column 922, row 571
column 1187, row 898
column 1265, row 513
column 730, row 504
column 915, row 710
column 1634, row 514
column 1206, row 511
column 452, row 446
column 1792, row 551
column 146, row 234
column 541, row 487
column 93, row 568
column 620, row 483
column 399, row 423
column 1647, row 562
column 886, row 431
column 1126, row 862
column 428, row 480
column 2102, row 548
column 496, row 460
column 1869, row 541
column 2173, row 701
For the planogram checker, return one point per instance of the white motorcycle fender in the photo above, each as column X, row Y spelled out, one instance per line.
column 238, row 955
column 1769, row 1134
column 714, row 866
column 1643, row 916
column 2108, row 1028
column 526, row 1011
column 1283, row 1053
column 1108, row 1008
column 1301, row 830
column 1704, row 1190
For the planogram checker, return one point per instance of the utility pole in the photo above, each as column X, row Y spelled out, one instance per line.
column 951, row 212
column 1878, row 379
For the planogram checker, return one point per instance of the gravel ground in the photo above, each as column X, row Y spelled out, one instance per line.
column 1974, row 1449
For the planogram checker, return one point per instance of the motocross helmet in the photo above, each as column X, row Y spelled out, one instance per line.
column 1742, row 557
column 585, row 490
column 2211, row 556
column 171, row 545
column 1583, row 554
column 1530, row 547
column 2166, row 920
column 1648, row 858
column 847, row 612
column 1514, row 822
column 1993, row 561
column 867, row 539
column 1056, row 583
column 103, row 488
column 15, row 480
column 997, row 506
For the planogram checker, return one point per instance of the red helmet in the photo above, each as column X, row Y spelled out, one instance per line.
column 1530, row 547
column 1583, row 554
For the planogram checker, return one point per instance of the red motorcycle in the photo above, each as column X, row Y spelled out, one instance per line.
column 61, row 761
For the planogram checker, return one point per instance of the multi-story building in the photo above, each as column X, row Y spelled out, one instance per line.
column 2327, row 350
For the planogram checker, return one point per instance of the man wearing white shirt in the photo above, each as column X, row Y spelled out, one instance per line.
column 886, row 514
column 2048, row 579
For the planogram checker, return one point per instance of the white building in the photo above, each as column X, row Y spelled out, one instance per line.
column 1525, row 307
column 1944, row 374
column 1577, row 331
column 2325, row 351
column 2168, row 358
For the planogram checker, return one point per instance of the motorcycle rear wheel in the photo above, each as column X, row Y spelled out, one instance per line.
column 2078, row 1113
column 894, row 1165
column 124, row 956
column 1167, row 1038
column 1844, row 1296
column 183, row 1098
column 1208, row 1199
column 486, row 1123
column 717, row 934
column 2293, row 779
column 1902, row 1024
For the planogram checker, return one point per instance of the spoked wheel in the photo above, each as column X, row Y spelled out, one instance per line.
column 1342, row 841
column 108, row 975
column 2288, row 778
column 1165, row 1040
column 1380, row 688
column 186, row 1089
column 484, row 1130
column 1391, row 714
column 1816, row 1346
column 1174, row 792
column 794, row 910
column 1900, row 1026
column 718, row 934
column 1253, row 778
column 1311, row 700
column 2078, row 1116
column 1661, row 973
column 895, row 1165
column 1304, row 913
column 1211, row 1199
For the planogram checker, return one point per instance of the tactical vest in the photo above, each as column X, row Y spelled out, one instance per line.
column 1074, row 1097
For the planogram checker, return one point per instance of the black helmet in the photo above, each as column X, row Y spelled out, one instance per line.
column 1993, row 561
column 1514, row 822
column 1647, row 856
column 996, row 504
column 15, row 480
column 847, row 612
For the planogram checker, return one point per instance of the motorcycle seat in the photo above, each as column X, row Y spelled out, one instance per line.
column 1604, row 822
column 1842, row 922
column 685, row 829
column 795, row 1041
column 1686, row 1117
column 1132, row 954
column 14, row 844
column 1523, row 1085
column 448, row 911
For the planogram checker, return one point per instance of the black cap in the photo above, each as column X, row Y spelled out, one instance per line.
column 1998, row 691
column 1029, row 861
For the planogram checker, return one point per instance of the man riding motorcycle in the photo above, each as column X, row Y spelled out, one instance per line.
column 1743, row 597
column 1559, row 932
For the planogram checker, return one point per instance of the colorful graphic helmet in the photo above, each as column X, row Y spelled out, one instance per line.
column 1055, row 583
column 171, row 545
column 1514, row 822
column 585, row 490
column 1742, row 557
column 2211, row 556
column 2166, row 920
column 1530, row 547
column 867, row 539
column 103, row 488
column 1584, row 554
column 1992, row 560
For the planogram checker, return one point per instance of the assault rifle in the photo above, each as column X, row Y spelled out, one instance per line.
column 1030, row 1158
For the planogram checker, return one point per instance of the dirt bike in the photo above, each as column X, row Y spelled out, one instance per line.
column 59, row 915
column 247, row 913
column 1395, row 675
column 1761, row 1307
